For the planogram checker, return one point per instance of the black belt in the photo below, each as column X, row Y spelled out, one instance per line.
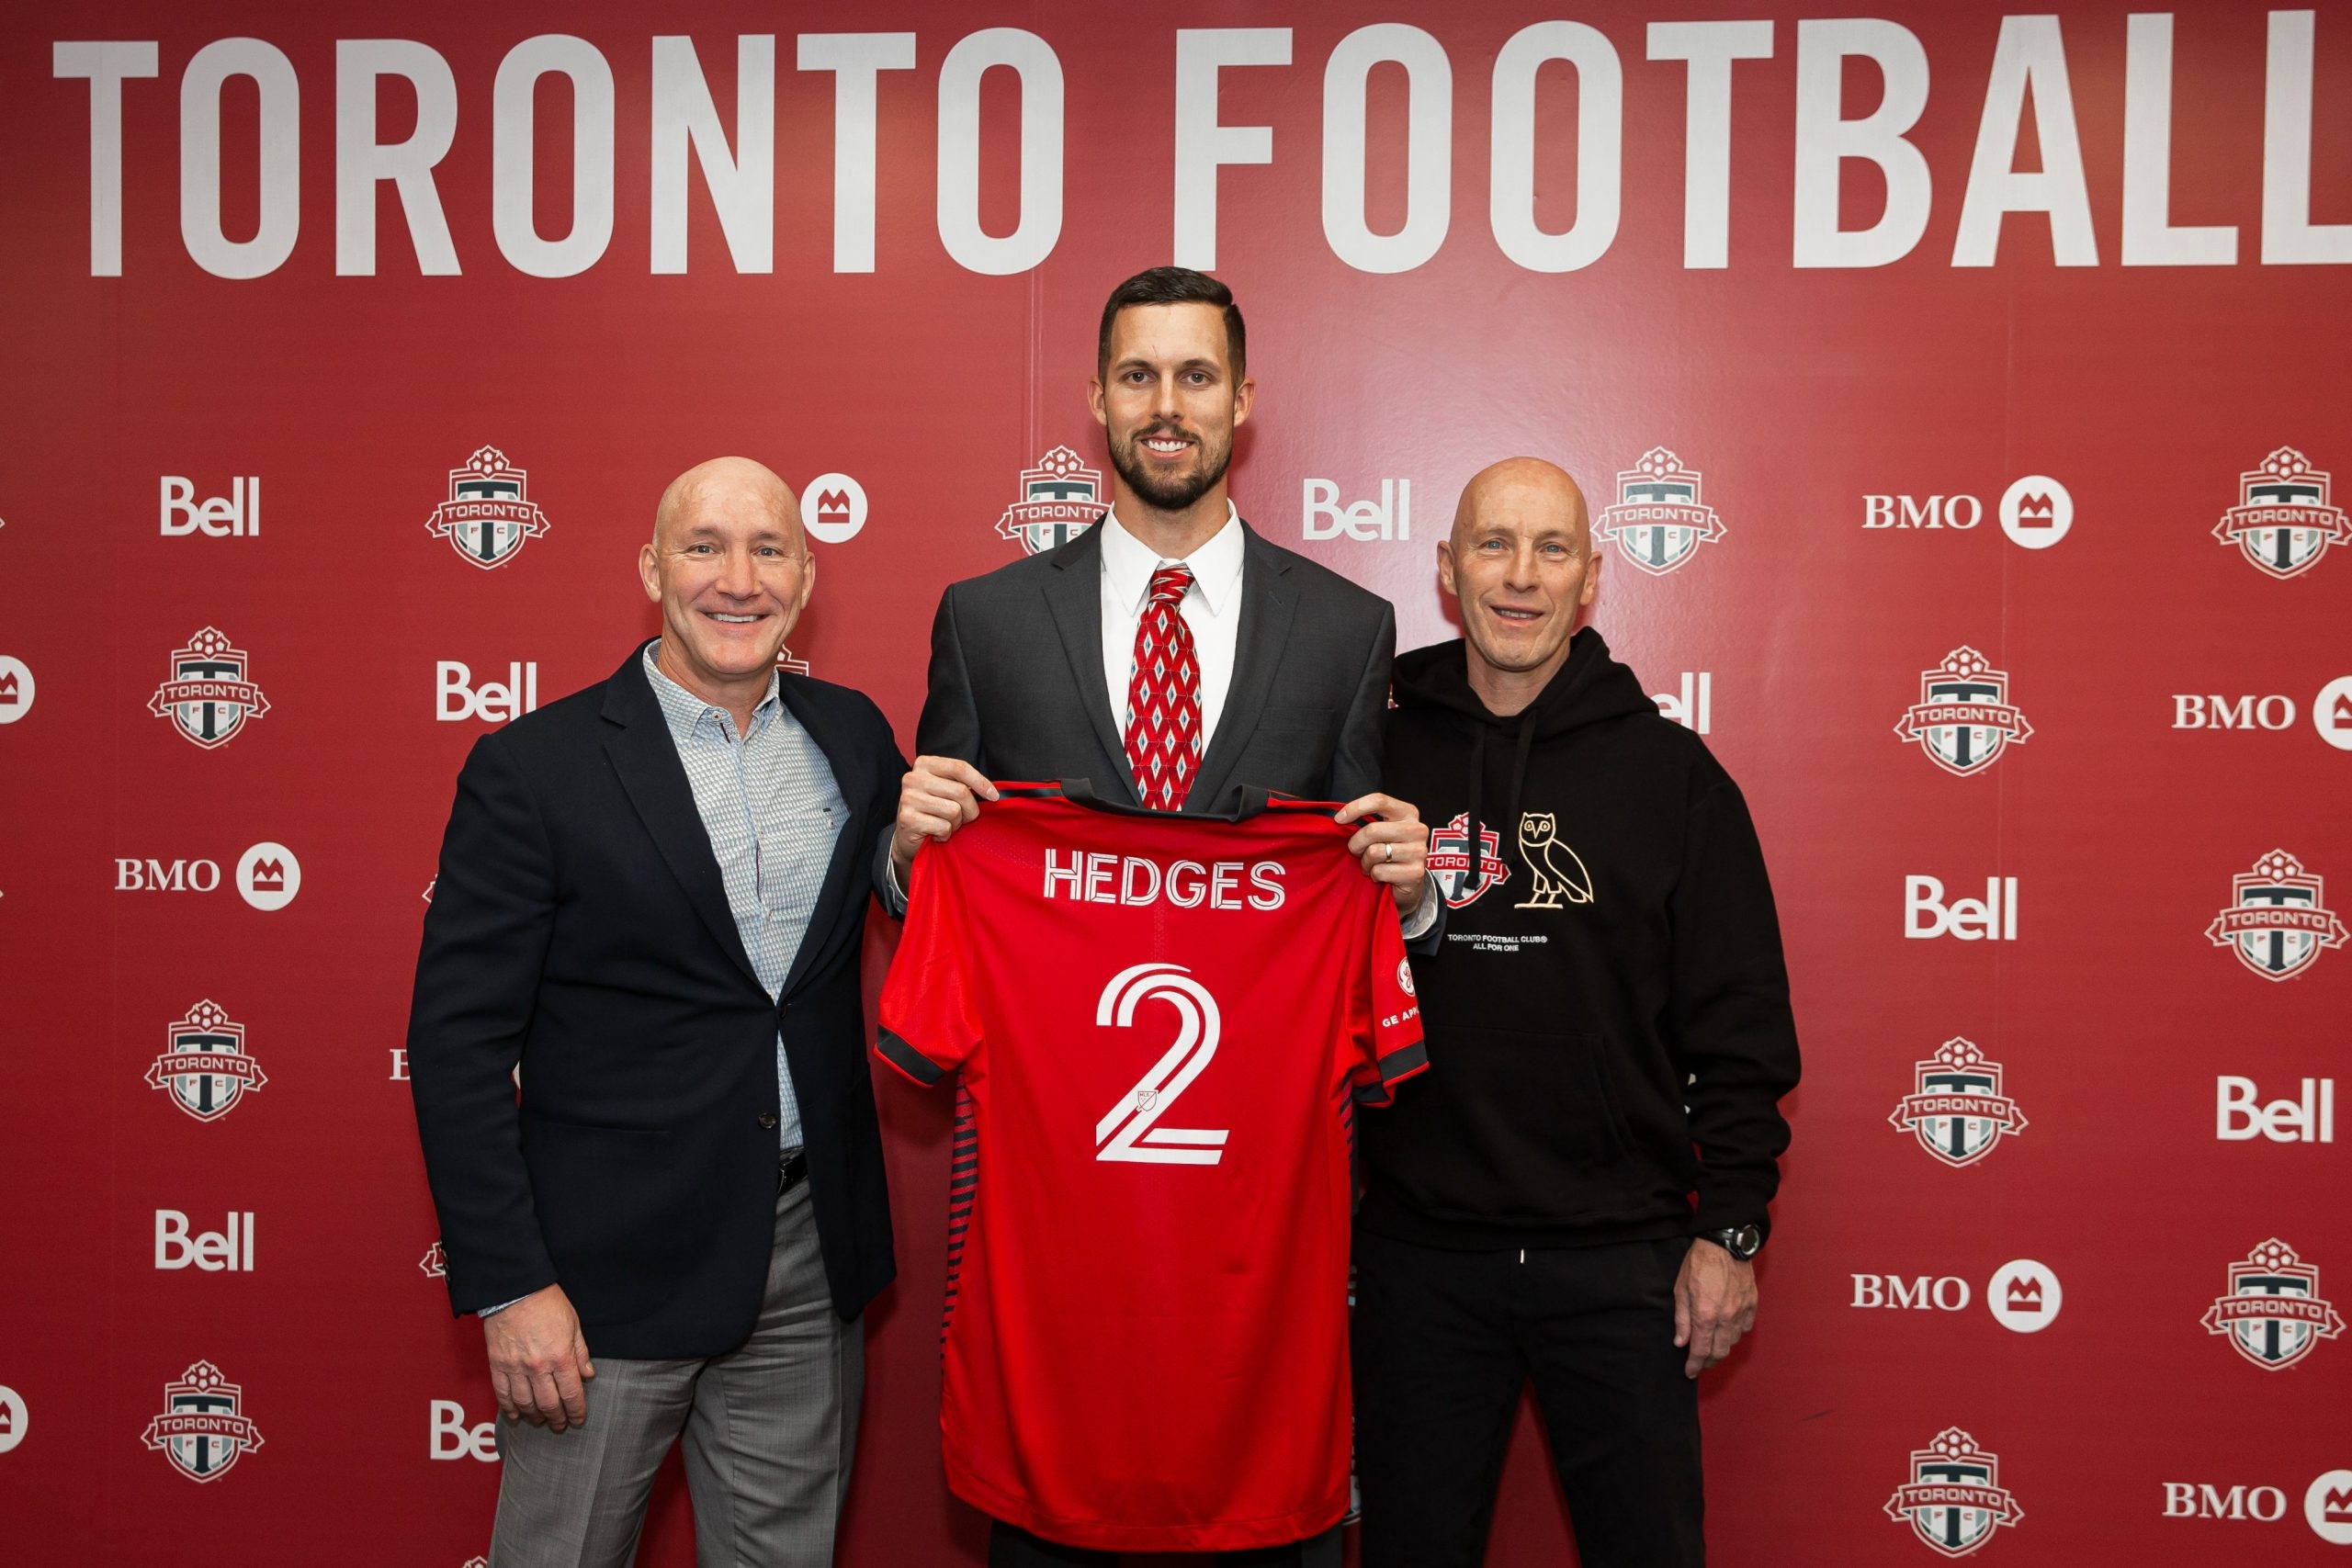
column 791, row 1171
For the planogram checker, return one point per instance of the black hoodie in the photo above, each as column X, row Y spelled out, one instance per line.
column 1610, row 990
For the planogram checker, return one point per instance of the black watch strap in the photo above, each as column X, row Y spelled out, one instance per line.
column 1742, row 1242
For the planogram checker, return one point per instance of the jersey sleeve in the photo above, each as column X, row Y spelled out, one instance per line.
column 1394, row 1051
column 929, row 1024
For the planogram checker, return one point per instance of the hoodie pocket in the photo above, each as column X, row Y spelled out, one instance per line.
column 1537, row 1101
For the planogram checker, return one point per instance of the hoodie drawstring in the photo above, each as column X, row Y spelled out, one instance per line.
column 1477, row 876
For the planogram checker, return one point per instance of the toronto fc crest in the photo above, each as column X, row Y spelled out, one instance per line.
column 1956, row 1108
column 205, row 1065
column 1955, row 1499
column 1963, row 720
column 1061, row 499
column 206, row 696
column 2283, row 521
column 2273, row 1312
column 490, row 515
column 2277, row 921
column 202, row 1430
column 1659, row 522
column 1450, row 860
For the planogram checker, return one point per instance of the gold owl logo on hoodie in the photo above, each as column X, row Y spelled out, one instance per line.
column 1557, row 872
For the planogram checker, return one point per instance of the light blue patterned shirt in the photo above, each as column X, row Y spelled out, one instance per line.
column 774, row 812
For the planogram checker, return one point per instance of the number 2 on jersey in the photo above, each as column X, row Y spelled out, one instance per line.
column 1131, row 1130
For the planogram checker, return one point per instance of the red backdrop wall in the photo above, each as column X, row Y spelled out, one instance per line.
column 2002, row 351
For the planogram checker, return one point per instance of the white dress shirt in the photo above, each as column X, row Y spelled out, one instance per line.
column 1211, row 607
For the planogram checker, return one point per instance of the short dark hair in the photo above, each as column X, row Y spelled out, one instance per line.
column 1174, row 286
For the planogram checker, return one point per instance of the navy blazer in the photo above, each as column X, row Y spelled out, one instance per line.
column 580, row 927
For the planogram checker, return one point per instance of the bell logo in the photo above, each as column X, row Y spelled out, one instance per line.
column 16, row 689
column 1693, row 707
column 227, row 1251
column 268, row 876
column 2024, row 1296
column 234, row 515
column 2328, row 1506
column 1992, row 917
column 1390, row 517
column 455, row 698
column 832, row 508
column 14, row 1418
column 2239, row 1117
column 452, row 1438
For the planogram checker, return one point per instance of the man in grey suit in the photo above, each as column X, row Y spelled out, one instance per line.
column 1040, row 669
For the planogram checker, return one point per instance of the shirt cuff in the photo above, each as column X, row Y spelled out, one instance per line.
column 897, row 896
column 1417, row 923
column 493, row 1311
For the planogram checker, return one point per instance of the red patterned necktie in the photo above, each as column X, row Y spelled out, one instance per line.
column 1164, row 696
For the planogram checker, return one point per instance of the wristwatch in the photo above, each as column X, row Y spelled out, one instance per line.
column 1742, row 1242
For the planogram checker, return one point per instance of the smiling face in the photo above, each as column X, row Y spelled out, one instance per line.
column 1170, row 398
column 1520, row 561
column 731, row 571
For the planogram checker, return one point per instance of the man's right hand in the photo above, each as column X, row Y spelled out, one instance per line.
column 938, row 796
column 539, row 1362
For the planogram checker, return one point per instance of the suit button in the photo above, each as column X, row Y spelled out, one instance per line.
column 767, row 1120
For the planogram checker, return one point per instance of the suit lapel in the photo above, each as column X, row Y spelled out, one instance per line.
column 1266, row 604
column 1074, row 596
column 854, row 775
column 646, row 760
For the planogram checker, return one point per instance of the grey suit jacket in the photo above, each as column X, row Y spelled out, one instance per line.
column 1017, row 689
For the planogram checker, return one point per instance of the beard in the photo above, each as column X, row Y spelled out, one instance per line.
column 1165, row 491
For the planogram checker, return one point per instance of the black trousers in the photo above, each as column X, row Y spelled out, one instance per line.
column 1012, row 1547
column 1444, row 1342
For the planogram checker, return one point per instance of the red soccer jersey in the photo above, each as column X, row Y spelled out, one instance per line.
column 1162, row 1024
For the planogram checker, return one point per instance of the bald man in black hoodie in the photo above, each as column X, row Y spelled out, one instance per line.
column 1610, row 994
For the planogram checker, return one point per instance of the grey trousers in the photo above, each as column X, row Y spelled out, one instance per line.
column 768, row 1429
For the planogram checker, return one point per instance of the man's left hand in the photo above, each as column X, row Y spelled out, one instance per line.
column 1714, row 1304
column 1393, row 848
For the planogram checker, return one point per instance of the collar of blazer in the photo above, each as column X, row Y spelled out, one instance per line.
column 645, row 758
column 1074, row 594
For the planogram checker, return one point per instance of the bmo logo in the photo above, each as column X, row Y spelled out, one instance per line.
column 2035, row 512
column 2190, row 711
column 453, row 1439
column 227, row 1251
column 1992, row 917
column 234, row 515
column 268, row 875
column 2202, row 1500
column 2239, row 1116
column 456, row 697
column 1693, row 706
column 1390, row 517
column 2023, row 1296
